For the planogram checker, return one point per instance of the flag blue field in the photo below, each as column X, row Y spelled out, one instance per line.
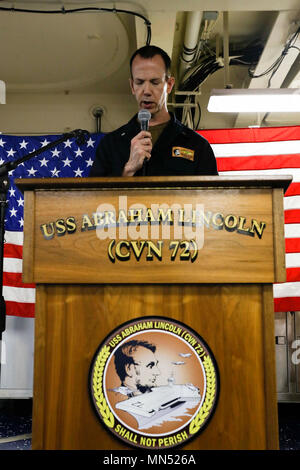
column 67, row 159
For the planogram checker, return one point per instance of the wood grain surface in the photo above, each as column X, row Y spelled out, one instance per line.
column 82, row 256
column 72, row 321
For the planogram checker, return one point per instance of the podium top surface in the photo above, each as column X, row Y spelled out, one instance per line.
column 274, row 181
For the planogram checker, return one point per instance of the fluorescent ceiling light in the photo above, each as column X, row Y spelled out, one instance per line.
column 251, row 100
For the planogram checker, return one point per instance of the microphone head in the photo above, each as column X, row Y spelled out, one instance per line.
column 144, row 117
column 81, row 136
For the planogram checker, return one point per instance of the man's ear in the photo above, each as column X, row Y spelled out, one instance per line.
column 131, row 86
column 170, row 84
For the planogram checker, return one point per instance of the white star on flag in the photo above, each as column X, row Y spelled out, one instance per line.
column 11, row 152
column 55, row 172
column 45, row 142
column 90, row 142
column 23, row 144
column 2, row 142
column 31, row 172
column 13, row 212
column 78, row 172
column 78, row 153
column 89, row 162
column 68, row 143
column 44, row 162
column 67, row 162
column 55, row 152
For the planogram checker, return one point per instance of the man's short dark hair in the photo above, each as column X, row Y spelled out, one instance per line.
column 123, row 355
column 148, row 52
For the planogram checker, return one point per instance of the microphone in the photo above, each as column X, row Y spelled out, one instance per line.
column 144, row 117
column 80, row 136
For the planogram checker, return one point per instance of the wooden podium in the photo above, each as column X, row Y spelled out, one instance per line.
column 87, row 285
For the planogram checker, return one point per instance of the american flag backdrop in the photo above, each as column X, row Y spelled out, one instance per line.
column 268, row 151
column 67, row 159
column 255, row 151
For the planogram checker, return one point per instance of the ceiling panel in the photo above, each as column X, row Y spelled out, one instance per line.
column 60, row 52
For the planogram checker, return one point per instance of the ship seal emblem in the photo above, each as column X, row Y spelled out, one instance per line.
column 154, row 383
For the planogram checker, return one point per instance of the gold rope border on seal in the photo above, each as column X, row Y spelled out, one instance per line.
column 101, row 403
column 199, row 419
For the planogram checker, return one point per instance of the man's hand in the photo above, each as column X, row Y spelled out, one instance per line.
column 141, row 146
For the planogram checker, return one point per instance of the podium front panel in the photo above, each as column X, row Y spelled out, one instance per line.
column 73, row 320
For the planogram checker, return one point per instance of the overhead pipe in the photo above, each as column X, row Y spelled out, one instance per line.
column 190, row 43
column 226, row 49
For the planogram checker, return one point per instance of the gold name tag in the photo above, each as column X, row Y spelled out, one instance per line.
column 183, row 153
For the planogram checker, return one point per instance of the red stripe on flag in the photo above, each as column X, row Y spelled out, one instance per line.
column 293, row 190
column 287, row 304
column 292, row 216
column 13, row 251
column 15, row 280
column 292, row 274
column 261, row 162
column 263, row 134
column 20, row 309
column 292, row 245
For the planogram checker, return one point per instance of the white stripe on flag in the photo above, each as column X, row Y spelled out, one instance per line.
column 291, row 202
column 12, row 265
column 292, row 231
column 286, row 289
column 292, row 260
column 256, row 148
column 15, row 238
column 19, row 294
